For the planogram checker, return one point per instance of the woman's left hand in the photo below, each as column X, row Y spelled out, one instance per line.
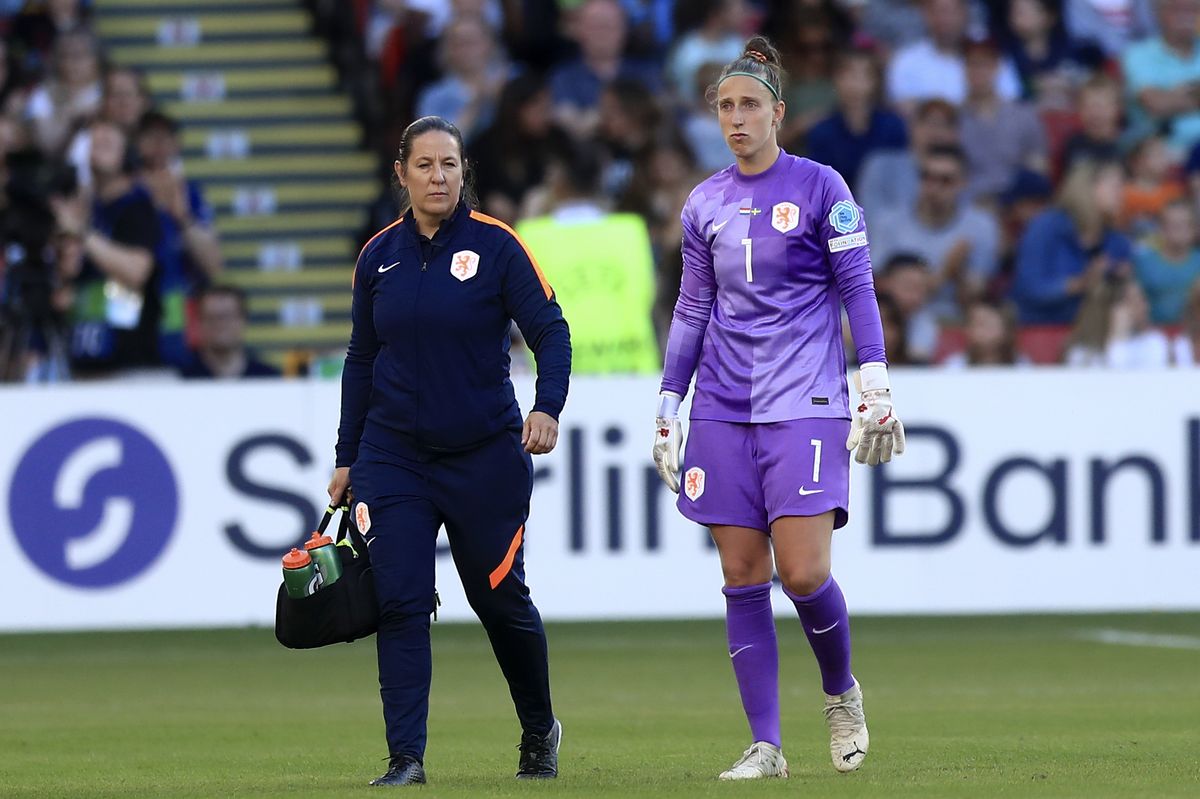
column 540, row 433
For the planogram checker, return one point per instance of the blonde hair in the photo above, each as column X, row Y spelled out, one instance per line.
column 1078, row 198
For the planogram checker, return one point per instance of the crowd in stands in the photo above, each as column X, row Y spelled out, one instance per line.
column 109, row 262
column 1029, row 169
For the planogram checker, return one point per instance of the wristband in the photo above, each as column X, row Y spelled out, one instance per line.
column 874, row 377
column 668, row 404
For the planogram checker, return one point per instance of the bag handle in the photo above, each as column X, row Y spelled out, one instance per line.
column 346, row 527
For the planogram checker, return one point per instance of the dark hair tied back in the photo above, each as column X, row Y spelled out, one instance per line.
column 760, row 59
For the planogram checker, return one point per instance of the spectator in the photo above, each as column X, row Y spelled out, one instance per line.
column 70, row 96
column 629, row 121
column 701, row 127
column 1109, row 24
column 1150, row 187
column 991, row 337
column 1000, row 136
column 808, row 45
column 13, row 94
column 894, row 24
column 934, row 67
column 117, row 309
column 602, row 268
column 1169, row 267
column 1185, row 347
column 125, row 98
column 1191, row 169
column 717, row 38
column 536, row 36
column 222, row 353
column 1162, row 72
column 36, row 30
column 860, row 124
column 907, row 281
column 189, row 252
column 651, row 26
column 895, row 335
column 1114, row 330
column 600, row 30
column 1071, row 247
column 1038, row 46
column 1029, row 195
column 889, row 179
column 1100, row 114
column 664, row 178
column 475, row 72
column 438, row 15
column 959, row 242
column 512, row 155
column 32, row 336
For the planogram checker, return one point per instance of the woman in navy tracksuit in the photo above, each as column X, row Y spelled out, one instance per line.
column 431, row 435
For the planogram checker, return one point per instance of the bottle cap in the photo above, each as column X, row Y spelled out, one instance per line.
column 296, row 559
column 317, row 540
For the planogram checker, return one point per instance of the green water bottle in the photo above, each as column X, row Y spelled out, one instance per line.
column 300, row 577
column 325, row 557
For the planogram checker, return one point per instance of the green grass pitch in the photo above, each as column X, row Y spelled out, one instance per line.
column 974, row 707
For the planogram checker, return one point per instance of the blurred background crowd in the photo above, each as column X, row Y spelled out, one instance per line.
column 1029, row 171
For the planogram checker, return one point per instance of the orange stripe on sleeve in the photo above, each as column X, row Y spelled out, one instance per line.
column 368, row 244
column 490, row 220
column 506, row 565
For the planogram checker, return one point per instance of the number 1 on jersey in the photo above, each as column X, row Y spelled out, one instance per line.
column 747, row 243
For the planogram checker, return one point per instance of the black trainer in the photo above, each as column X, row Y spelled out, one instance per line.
column 539, row 754
column 402, row 770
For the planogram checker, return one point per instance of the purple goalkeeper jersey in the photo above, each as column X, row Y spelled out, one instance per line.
column 768, row 261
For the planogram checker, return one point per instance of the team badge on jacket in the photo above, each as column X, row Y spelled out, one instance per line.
column 693, row 483
column 785, row 217
column 464, row 264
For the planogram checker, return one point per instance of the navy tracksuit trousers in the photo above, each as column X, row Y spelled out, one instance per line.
column 482, row 497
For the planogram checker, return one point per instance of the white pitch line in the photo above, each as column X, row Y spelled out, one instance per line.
column 1128, row 638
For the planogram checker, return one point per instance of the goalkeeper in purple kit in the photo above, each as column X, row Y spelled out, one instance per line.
column 773, row 247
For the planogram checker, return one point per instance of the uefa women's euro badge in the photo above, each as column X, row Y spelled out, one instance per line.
column 464, row 264
column 693, row 483
column 785, row 217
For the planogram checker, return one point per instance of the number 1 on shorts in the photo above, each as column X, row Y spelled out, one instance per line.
column 816, row 445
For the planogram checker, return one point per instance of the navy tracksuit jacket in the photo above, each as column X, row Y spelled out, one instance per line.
column 432, row 430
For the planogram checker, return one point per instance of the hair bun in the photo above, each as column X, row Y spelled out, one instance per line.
column 757, row 56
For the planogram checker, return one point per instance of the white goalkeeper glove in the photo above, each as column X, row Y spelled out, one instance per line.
column 668, row 439
column 875, row 430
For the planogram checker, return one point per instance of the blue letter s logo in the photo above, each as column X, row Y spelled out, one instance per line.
column 93, row 503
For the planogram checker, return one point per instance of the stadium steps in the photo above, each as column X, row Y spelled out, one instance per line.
column 268, row 133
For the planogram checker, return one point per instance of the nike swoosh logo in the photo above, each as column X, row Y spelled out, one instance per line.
column 383, row 269
column 827, row 629
column 804, row 492
column 717, row 228
column 739, row 651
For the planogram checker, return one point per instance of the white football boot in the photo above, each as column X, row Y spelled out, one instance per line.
column 848, row 738
column 760, row 760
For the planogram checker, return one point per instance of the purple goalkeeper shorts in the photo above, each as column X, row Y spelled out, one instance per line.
column 751, row 474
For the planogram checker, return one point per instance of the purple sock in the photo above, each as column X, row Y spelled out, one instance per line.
column 750, row 626
column 827, row 625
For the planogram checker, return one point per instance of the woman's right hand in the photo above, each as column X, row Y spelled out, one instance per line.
column 339, row 487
